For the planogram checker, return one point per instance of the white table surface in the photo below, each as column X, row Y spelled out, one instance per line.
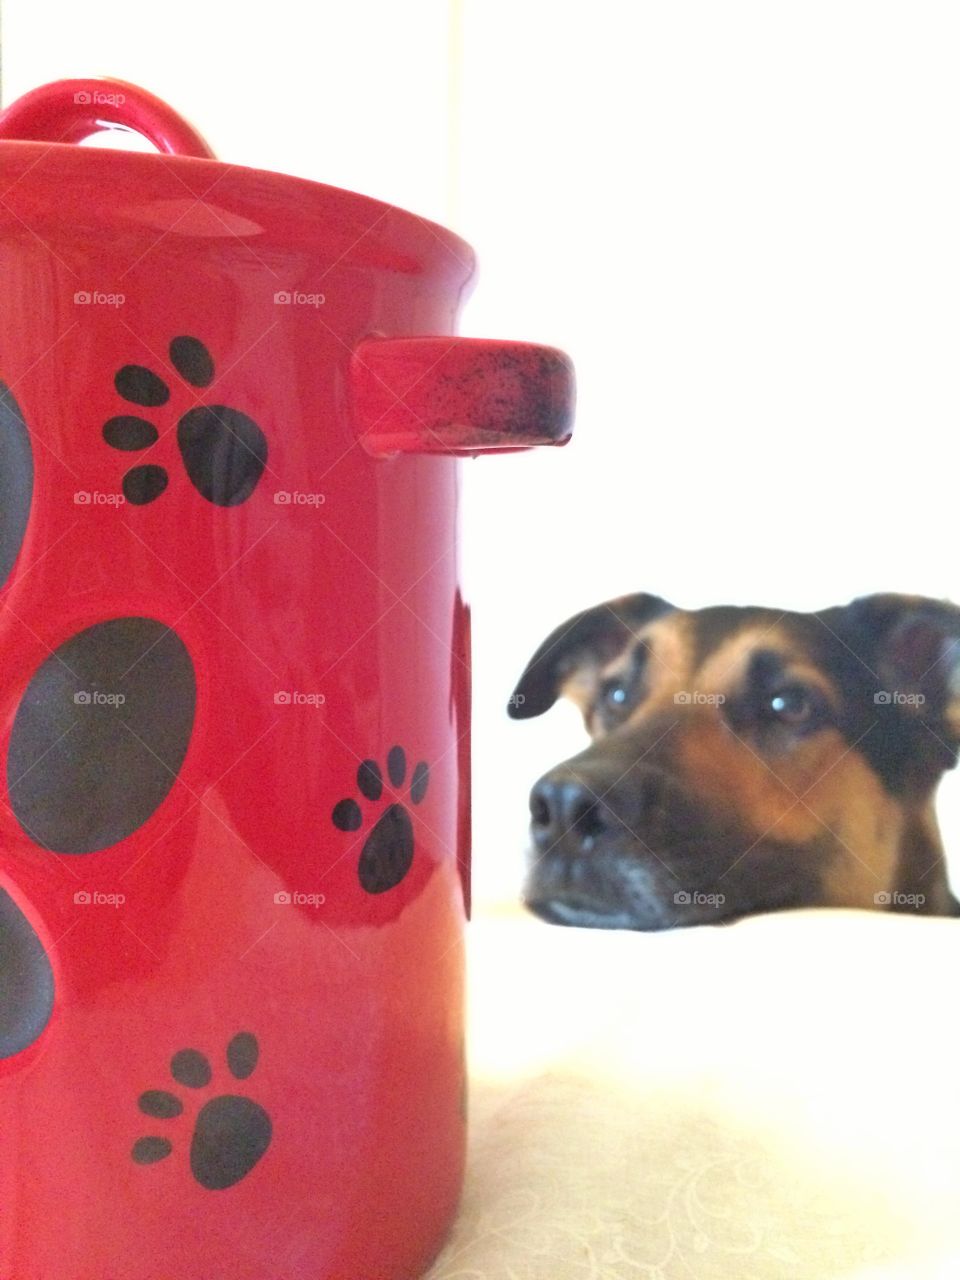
column 771, row 1100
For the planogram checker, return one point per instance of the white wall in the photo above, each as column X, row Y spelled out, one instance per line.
column 357, row 95
column 743, row 221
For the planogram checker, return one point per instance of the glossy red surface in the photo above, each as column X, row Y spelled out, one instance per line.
column 459, row 395
column 325, row 625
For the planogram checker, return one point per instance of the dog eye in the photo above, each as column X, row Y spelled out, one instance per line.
column 614, row 694
column 615, row 701
column 620, row 692
column 792, row 704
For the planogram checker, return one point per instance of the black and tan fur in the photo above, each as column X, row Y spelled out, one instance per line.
column 744, row 760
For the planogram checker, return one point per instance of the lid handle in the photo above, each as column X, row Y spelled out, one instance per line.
column 71, row 110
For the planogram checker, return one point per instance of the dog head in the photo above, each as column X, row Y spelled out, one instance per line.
column 744, row 760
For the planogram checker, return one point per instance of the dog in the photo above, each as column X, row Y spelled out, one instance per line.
column 744, row 760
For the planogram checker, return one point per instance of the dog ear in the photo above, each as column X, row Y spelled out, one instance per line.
column 912, row 644
column 598, row 634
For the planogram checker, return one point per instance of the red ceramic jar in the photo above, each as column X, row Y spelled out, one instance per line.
column 234, row 860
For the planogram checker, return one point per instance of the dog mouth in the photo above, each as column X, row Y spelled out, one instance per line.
column 580, row 914
column 646, row 888
column 647, row 900
column 616, row 892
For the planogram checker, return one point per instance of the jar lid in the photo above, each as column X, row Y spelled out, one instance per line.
column 186, row 190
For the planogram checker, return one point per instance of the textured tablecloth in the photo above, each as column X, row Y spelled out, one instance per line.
column 774, row 1099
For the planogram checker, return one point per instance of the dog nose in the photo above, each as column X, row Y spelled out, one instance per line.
column 562, row 807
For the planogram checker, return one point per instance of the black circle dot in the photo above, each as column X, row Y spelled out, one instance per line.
column 141, row 386
column 160, row 1104
column 242, row 1054
column 347, row 815
column 397, row 765
column 192, row 360
column 26, row 980
column 129, row 432
column 419, row 781
column 100, row 734
column 190, row 1067
column 150, row 1150
column 370, row 780
column 144, row 484
column 16, row 480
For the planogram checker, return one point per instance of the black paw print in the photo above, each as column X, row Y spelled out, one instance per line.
column 388, row 850
column 224, row 452
column 230, row 1134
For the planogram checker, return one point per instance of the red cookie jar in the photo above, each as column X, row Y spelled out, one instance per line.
column 234, row 857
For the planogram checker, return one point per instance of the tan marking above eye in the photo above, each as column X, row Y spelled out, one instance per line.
column 724, row 670
column 669, row 672
column 669, row 644
column 581, row 686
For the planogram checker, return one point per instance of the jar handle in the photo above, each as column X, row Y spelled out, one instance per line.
column 71, row 110
column 459, row 395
